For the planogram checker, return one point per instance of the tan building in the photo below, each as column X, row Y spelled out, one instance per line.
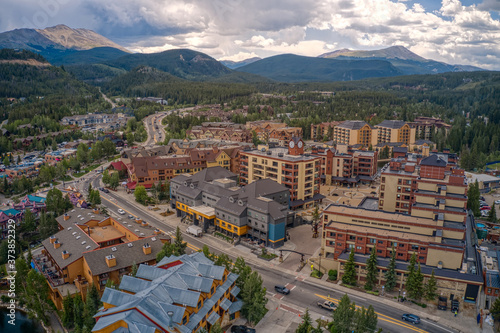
column 393, row 131
column 57, row 156
column 353, row 132
column 220, row 131
column 94, row 248
column 321, row 130
column 426, row 127
column 274, row 132
column 299, row 172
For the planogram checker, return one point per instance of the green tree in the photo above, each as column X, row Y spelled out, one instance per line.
column 349, row 276
column 6, row 161
column 495, row 309
column 343, row 316
column 390, row 274
column 177, row 248
column 130, row 139
column 254, row 298
column 492, row 215
column 82, row 153
column 134, row 268
column 473, row 198
column 216, row 328
column 140, row 194
column 243, row 270
column 55, row 202
column 78, row 310
column 106, row 178
column 114, row 180
column 92, row 304
column 68, row 315
column 306, row 326
column 28, row 223
column 179, row 242
column 430, row 289
column 415, row 279
column 371, row 270
column 54, row 145
column 108, row 147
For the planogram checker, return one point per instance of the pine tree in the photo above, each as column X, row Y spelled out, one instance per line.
column 371, row 270
column 216, row 328
column 411, row 274
column 68, row 315
column 349, row 276
column 179, row 242
column 133, row 271
column 390, row 274
column 495, row 309
column 253, row 295
column 431, row 288
column 419, row 283
column 243, row 270
column 492, row 215
column 343, row 316
column 306, row 325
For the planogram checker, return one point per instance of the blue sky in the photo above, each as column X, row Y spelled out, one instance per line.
column 454, row 31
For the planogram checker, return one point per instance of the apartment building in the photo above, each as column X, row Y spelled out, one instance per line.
column 345, row 165
column 211, row 198
column 393, row 131
column 225, row 131
column 353, row 132
column 147, row 171
column 426, row 127
column 59, row 155
column 321, row 130
column 298, row 171
column 94, row 248
column 274, row 132
column 179, row 294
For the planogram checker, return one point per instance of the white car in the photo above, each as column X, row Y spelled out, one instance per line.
column 121, row 211
column 497, row 202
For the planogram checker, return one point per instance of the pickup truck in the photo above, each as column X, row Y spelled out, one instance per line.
column 328, row 305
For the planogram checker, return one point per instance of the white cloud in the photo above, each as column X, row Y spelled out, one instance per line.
column 231, row 29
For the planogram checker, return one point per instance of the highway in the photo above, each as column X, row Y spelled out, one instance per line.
column 304, row 294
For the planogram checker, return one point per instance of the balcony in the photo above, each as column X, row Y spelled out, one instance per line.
column 49, row 270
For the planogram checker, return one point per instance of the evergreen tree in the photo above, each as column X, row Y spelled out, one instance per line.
column 28, row 222
column 495, row 309
column 216, row 328
column 390, row 274
column 414, row 282
column 349, row 276
column 419, row 283
column 371, row 270
column 243, row 270
column 92, row 304
column 68, row 315
column 306, row 325
column 78, row 310
column 430, row 289
column 179, row 242
column 492, row 215
column 133, row 271
column 253, row 295
column 343, row 316
column 473, row 198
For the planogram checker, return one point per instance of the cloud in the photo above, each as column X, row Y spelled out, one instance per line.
column 230, row 29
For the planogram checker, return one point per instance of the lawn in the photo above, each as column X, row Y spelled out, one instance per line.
column 86, row 170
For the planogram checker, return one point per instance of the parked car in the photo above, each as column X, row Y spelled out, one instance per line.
column 242, row 329
column 121, row 211
column 497, row 202
column 485, row 208
column 328, row 305
column 414, row 319
column 485, row 213
column 482, row 198
column 131, row 216
column 282, row 290
column 105, row 190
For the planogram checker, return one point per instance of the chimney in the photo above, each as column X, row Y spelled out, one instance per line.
column 66, row 217
column 138, row 220
column 52, row 239
column 157, row 231
column 146, row 248
column 111, row 260
column 144, row 223
column 95, row 210
column 57, row 244
column 65, row 254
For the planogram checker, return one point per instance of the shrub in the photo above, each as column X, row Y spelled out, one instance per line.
column 5, row 299
column 332, row 274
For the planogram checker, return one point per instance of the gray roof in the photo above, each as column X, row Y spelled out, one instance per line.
column 267, row 206
column 353, row 124
column 433, row 160
column 170, row 291
column 394, row 124
column 126, row 254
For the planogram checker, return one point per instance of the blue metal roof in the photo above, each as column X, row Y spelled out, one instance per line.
column 214, row 316
column 236, row 306
column 225, row 304
column 235, row 291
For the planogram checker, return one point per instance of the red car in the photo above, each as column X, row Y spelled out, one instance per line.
column 485, row 208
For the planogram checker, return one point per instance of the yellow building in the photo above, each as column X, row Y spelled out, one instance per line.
column 299, row 172
column 393, row 131
column 92, row 248
column 179, row 294
column 353, row 132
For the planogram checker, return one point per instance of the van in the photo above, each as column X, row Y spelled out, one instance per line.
column 194, row 230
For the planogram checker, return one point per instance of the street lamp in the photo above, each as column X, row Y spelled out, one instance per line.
column 319, row 255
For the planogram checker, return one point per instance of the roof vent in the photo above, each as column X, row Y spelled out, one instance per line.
column 240, row 202
column 84, row 242
column 113, row 249
column 88, row 247
column 130, row 244
column 74, row 233
column 231, row 199
column 70, row 228
column 153, row 239
column 78, row 237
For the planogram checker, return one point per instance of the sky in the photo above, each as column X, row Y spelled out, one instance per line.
column 463, row 32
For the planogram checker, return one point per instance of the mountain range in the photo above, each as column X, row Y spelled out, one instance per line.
column 96, row 59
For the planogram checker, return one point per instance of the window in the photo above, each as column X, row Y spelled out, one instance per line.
column 400, row 254
column 359, row 247
column 351, row 237
column 351, row 246
column 373, row 240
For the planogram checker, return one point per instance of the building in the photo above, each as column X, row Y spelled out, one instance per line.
column 486, row 182
column 298, row 171
column 345, row 165
column 426, row 127
column 147, row 171
column 274, row 132
column 212, row 199
column 59, row 155
column 115, row 120
column 353, row 132
column 225, row 131
column 179, row 294
column 94, row 248
column 28, row 170
column 322, row 130
column 393, row 131
column 432, row 187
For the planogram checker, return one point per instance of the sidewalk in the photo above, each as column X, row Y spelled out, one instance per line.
column 281, row 317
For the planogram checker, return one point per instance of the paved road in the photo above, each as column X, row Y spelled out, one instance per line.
column 304, row 293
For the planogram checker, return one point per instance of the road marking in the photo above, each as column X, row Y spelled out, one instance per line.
column 381, row 316
column 434, row 324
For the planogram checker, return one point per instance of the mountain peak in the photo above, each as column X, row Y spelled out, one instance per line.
column 392, row 52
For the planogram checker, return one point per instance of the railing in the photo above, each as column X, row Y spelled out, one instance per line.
column 49, row 271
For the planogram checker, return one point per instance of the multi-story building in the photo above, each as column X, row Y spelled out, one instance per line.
column 147, row 171
column 179, row 294
column 344, row 165
column 393, row 131
column 211, row 198
column 298, row 171
column 282, row 136
column 59, row 155
column 28, row 170
column 274, row 132
column 426, row 127
column 321, row 130
column 95, row 119
column 94, row 248
column 225, row 131
column 431, row 187
column 353, row 132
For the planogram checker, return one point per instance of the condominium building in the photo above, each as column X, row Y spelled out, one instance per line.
column 298, row 171
column 211, row 198
column 321, row 130
column 393, row 131
column 274, row 132
column 220, row 131
column 345, row 165
column 94, row 248
column 357, row 132
column 179, row 294
column 426, row 127
column 57, row 156
column 353, row 132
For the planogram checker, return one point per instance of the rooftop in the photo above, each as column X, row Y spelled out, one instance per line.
column 281, row 154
